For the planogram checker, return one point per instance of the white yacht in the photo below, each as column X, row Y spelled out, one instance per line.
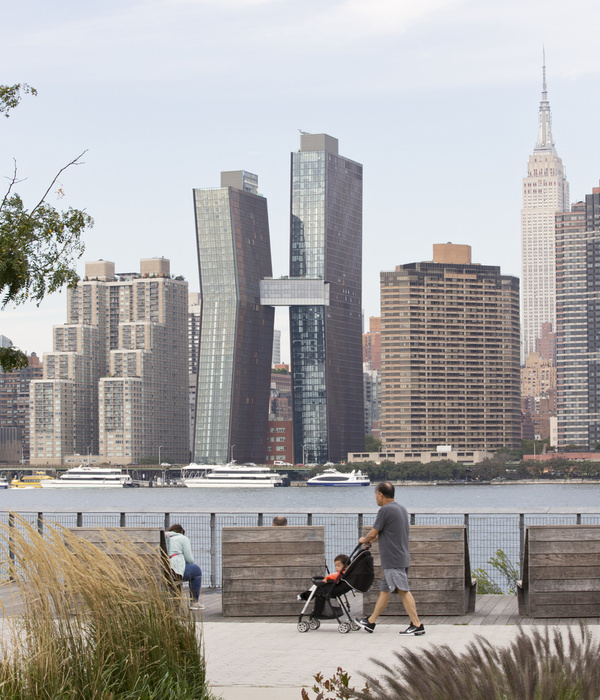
column 332, row 477
column 232, row 474
column 85, row 476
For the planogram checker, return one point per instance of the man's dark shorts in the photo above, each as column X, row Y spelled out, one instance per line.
column 394, row 579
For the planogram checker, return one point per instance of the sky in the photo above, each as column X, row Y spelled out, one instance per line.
column 438, row 99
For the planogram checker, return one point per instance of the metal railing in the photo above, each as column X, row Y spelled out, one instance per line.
column 488, row 530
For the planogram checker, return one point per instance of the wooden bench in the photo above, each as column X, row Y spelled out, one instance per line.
column 560, row 572
column 264, row 568
column 439, row 576
column 148, row 543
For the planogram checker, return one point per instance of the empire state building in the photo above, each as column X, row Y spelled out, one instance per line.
column 545, row 192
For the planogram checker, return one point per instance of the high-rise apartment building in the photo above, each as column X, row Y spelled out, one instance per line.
column 194, row 318
column 236, row 333
column 324, row 295
column 14, row 411
column 116, row 383
column 276, row 358
column 578, row 323
column 449, row 355
column 372, row 343
column 545, row 192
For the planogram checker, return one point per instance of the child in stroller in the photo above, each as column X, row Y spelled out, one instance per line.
column 329, row 593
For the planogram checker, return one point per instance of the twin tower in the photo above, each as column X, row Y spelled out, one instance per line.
column 323, row 293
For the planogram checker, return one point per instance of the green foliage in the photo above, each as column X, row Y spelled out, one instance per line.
column 10, row 96
column 281, row 370
column 485, row 584
column 37, row 249
column 541, row 664
column 530, row 447
column 12, row 358
column 372, row 444
column 501, row 563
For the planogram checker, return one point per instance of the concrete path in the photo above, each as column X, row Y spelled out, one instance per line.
column 268, row 661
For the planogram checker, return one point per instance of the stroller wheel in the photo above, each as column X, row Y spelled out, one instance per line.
column 344, row 627
column 303, row 626
column 354, row 627
column 314, row 624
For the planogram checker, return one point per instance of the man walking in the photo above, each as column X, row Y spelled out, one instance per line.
column 390, row 529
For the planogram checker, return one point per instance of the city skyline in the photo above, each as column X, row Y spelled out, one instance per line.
column 440, row 96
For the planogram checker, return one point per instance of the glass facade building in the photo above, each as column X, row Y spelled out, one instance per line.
column 326, row 244
column 236, row 333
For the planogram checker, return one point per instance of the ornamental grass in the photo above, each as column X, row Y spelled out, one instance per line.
column 87, row 622
column 541, row 664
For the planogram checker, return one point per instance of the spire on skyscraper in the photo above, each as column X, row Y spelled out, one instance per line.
column 544, row 140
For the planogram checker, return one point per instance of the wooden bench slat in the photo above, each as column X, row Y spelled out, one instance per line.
column 564, row 547
column 541, row 533
column 574, row 585
column 234, row 549
column 304, row 572
column 545, row 560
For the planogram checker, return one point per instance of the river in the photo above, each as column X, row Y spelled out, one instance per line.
column 523, row 497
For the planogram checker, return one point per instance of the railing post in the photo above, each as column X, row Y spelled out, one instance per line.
column 412, row 518
column 213, row 550
column 467, row 524
column 40, row 523
column 579, row 518
column 521, row 539
column 360, row 525
column 309, row 518
column 260, row 520
column 11, row 551
column 79, row 519
column 167, row 521
column 122, row 520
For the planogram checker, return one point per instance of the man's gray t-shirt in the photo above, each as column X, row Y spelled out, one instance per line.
column 392, row 524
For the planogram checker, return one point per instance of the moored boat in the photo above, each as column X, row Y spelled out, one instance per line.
column 229, row 475
column 332, row 477
column 30, row 481
column 85, row 476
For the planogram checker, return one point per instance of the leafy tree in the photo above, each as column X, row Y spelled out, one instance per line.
column 38, row 246
column 372, row 444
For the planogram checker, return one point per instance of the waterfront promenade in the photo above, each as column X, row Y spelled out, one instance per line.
column 268, row 659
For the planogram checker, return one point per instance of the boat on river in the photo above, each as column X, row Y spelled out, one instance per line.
column 332, row 477
column 230, row 475
column 85, row 476
column 30, row 481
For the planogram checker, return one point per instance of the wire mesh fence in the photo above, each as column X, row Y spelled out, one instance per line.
column 487, row 533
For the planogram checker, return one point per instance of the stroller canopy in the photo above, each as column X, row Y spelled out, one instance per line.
column 360, row 571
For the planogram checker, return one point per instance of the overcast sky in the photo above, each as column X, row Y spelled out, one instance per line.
column 437, row 98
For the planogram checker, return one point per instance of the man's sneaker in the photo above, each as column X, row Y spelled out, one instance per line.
column 365, row 624
column 413, row 629
column 196, row 606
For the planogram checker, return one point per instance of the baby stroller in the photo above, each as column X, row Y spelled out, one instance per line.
column 330, row 600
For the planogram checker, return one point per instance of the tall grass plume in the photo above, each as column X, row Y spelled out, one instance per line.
column 83, row 621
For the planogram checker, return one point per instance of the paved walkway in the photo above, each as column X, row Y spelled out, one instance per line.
column 255, row 659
